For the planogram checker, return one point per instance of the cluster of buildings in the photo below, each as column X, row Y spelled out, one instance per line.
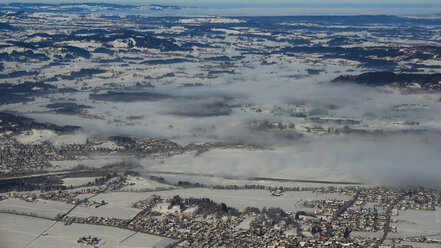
column 144, row 146
column 15, row 156
column 365, row 219
column 329, row 223
column 73, row 196
column 91, row 241
column 19, row 157
column 287, row 229
column 217, row 231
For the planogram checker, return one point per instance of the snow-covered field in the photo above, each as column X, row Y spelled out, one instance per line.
column 419, row 245
column 38, row 136
column 141, row 183
column 108, row 211
column 119, row 206
column 42, row 208
column 67, row 236
column 18, row 231
column 77, row 181
column 35, row 136
column 145, row 240
column 412, row 223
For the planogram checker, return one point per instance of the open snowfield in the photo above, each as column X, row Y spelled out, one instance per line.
column 145, row 240
column 38, row 136
column 123, row 199
column 67, row 236
column 42, row 208
column 110, row 210
column 140, row 183
column 17, row 231
column 412, row 223
column 119, row 206
column 35, row 136
column 419, row 245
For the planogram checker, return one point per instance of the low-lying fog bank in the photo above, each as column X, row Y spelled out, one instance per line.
column 307, row 128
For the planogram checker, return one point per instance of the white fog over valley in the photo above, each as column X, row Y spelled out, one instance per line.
column 394, row 131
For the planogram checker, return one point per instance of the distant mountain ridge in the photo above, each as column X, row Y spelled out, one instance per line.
column 82, row 7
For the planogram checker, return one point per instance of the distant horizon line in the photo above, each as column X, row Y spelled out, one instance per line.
column 187, row 8
column 236, row 5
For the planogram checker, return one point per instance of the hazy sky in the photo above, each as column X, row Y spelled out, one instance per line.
column 254, row 3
